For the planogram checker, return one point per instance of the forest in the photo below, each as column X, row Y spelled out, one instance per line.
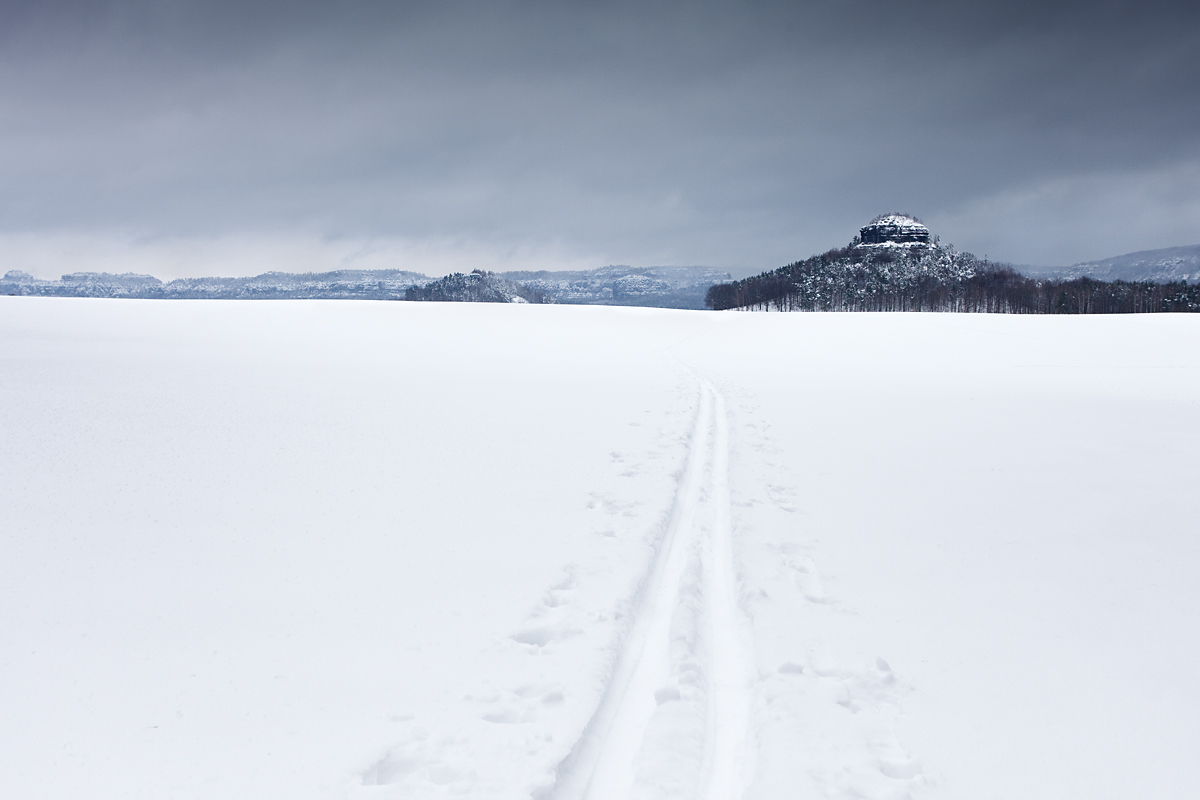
column 857, row 278
column 477, row 286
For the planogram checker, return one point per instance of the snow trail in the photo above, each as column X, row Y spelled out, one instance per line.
column 634, row 745
column 727, row 760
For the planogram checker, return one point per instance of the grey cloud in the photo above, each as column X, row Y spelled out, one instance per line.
column 730, row 134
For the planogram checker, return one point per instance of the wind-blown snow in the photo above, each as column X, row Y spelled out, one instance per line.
column 398, row 550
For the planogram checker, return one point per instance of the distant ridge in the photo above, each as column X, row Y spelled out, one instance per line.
column 619, row 285
column 346, row 284
column 664, row 287
column 1167, row 265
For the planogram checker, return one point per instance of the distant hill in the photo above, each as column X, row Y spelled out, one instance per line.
column 895, row 264
column 346, row 284
column 661, row 287
column 1167, row 265
column 664, row 287
column 474, row 287
column 81, row 284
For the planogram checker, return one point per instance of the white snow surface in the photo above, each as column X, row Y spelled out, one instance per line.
column 361, row 551
column 900, row 221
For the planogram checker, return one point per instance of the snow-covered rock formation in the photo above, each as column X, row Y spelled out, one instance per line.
column 894, row 230
column 896, row 264
column 893, row 264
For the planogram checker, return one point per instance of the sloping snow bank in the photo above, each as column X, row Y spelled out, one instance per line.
column 383, row 550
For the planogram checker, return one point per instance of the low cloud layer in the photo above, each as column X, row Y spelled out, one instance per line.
column 226, row 139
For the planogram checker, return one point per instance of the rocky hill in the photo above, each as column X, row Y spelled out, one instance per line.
column 889, row 265
column 895, row 264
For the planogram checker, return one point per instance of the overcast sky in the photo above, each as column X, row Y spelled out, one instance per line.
column 189, row 138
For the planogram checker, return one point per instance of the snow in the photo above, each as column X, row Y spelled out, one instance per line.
column 361, row 550
column 899, row 220
column 898, row 245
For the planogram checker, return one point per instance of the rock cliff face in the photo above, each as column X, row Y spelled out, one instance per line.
column 894, row 230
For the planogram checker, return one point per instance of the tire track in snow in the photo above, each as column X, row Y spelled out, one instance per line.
column 604, row 764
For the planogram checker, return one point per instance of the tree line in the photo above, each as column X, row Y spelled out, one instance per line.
column 476, row 286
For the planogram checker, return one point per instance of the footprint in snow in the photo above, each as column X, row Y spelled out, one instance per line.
column 808, row 578
column 872, row 686
column 412, row 763
column 894, row 761
column 561, row 593
column 521, row 705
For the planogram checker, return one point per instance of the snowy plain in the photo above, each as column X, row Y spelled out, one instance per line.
column 352, row 550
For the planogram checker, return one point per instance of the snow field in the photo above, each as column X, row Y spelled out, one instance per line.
column 966, row 545
column 282, row 549
column 385, row 550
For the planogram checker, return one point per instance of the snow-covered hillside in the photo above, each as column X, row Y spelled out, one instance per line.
column 1164, row 266
column 365, row 551
column 660, row 287
column 344, row 284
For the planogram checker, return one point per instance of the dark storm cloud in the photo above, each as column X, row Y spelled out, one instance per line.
column 732, row 134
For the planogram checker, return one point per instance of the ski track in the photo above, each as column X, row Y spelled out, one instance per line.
column 727, row 761
column 674, row 718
